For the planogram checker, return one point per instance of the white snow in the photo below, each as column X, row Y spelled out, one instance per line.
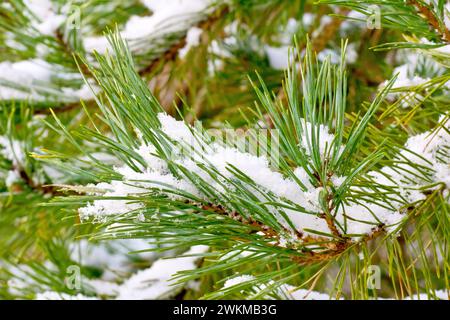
column 12, row 150
column 44, row 18
column 411, row 73
column 278, row 57
column 355, row 21
column 113, row 256
column 351, row 55
column 404, row 80
column 447, row 16
column 284, row 291
column 26, row 70
column 52, row 295
column 289, row 292
column 192, row 40
column 12, row 177
column 36, row 75
column 238, row 280
column 359, row 218
column 102, row 287
column 169, row 16
column 155, row 282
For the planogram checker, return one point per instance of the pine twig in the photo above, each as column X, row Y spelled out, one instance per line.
column 432, row 20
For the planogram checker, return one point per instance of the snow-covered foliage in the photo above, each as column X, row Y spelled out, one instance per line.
column 361, row 219
column 29, row 79
column 39, row 78
column 156, row 281
column 290, row 292
column 167, row 17
column 120, row 279
column 126, row 195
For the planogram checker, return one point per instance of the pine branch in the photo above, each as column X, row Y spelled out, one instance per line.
column 186, row 197
column 360, row 177
column 432, row 20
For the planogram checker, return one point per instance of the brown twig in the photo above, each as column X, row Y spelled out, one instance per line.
column 218, row 209
column 330, row 249
column 432, row 20
column 64, row 108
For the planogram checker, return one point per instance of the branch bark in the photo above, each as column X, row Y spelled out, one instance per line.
column 443, row 31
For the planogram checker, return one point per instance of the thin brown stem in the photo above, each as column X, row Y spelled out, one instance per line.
column 432, row 19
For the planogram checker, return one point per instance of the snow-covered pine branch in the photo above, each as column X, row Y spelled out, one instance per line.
column 324, row 204
column 358, row 178
column 50, row 74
